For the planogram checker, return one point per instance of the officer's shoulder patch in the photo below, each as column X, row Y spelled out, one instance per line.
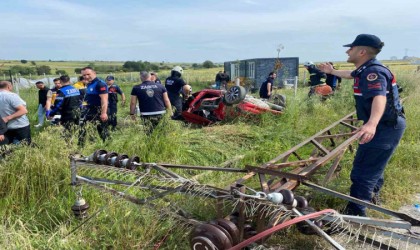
column 372, row 77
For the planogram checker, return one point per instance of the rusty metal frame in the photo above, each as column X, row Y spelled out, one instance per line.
column 286, row 171
column 305, row 168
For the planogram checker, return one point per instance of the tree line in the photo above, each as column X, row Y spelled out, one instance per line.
column 128, row 66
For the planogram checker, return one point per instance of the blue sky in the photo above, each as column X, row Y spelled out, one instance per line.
column 195, row 31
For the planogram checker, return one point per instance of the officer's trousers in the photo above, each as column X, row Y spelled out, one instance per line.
column 367, row 175
column 92, row 115
column 112, row 115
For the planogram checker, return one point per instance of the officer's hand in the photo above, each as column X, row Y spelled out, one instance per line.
column 47, row 113
column 366, row 133
column 326, row 68
column 104, row 117
column 123, row 103
column 2, row 137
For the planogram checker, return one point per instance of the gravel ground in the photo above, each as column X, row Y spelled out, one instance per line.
column 408, row 209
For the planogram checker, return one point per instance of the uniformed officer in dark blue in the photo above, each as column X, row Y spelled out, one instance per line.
column 174, row 85
column 266, row 88
column 153, row 101
column 113, row 91
column 378, row 106
column 97, row 104
column 67, row 104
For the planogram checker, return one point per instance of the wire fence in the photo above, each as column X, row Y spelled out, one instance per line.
column 197, row 77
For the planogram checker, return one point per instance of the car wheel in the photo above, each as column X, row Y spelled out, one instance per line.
column 278, row 100
column 234, row 95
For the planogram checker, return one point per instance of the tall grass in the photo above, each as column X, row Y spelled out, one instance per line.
column 35, row 195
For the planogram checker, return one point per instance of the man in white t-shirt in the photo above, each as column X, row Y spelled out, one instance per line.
column 13, row 112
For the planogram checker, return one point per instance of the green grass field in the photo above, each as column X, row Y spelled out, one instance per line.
column 35, row 195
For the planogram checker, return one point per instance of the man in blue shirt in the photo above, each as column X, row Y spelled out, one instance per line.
column 97, row 104
column 153, row 101
column 113, row 91
column 378, row 106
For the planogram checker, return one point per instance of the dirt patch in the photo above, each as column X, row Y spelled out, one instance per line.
column 411, row 210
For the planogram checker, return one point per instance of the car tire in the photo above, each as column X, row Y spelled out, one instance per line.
column 234, row 95
column 278, row 99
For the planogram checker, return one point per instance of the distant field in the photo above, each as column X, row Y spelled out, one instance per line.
column 402, row 67
column 193, row 76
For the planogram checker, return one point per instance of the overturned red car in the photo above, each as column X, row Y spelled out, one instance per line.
column 210, row 105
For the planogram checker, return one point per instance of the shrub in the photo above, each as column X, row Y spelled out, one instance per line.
column 43, row 69
column 208, row 64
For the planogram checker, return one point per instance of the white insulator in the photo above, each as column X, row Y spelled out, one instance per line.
column 112, row 160
column 294, row 204
column 124, row 162
column 80, row 202
column 276, row 198
column 102, row 158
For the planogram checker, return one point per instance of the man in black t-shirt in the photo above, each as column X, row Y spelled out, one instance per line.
column 113, row 91
column 266, row 88
column 153, row 101
column 43, row 94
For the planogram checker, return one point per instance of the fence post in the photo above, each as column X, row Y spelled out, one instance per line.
column 131, row 76
column 17, row 84
column 48, row 80
column 296, row 84
column 304, row 78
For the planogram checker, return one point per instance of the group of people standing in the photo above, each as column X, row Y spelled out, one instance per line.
column 155, row 99
column 321, row 83
column 91, row 100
